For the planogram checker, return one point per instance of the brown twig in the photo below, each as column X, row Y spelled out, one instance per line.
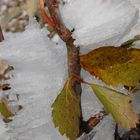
column 46, row 18
column 74, row 67
column 1, row 35
column 63, row 32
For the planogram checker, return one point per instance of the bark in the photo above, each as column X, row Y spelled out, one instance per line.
column 74, row 67
column 1, row 35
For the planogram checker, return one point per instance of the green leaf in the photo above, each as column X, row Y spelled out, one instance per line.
column 118, row 104
column 4, row 110
column 114, row 65
column 66, row 112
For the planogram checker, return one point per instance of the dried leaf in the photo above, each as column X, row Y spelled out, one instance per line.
column 5, row 72
column 118, row 104
column 66, row 112
column 3, row 66
column 93, row 121
column 5, row 86
column 114, row 65
column 4, row 110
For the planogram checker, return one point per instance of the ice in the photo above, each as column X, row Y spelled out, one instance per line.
column 98, row 22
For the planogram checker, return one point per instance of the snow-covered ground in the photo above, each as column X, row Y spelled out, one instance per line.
column 40, row 67
column 99, row 22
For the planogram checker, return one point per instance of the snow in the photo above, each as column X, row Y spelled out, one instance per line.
column 135, row 30
column 90, row 103
column 98, row 22
column 40, row 73
column 3, row 129
column 136, row 104
column 40, row 68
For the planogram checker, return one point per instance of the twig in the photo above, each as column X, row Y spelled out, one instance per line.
column 1, row 35
column 74, row 67
column 46, row 18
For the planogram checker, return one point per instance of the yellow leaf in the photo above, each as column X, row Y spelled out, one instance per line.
column 4, row 110
column 114, row 65
column 66, row 112
column 118, row 104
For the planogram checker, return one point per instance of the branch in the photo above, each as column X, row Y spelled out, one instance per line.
column 65, row 34
column 74, row 67
column 46, row 18
column 1, row 35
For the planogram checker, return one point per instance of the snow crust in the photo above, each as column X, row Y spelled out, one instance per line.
column 98, row 22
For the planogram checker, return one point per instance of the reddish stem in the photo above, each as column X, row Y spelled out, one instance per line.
column 44, row 14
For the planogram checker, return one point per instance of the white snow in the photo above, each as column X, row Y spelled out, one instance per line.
column 3, row 130
column 90, row 103
column 136, row 102
column 98, row 22
column 40, row 68
column 136, row 29
column 39, row 75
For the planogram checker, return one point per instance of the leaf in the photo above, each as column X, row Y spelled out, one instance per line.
column 5, row 70
column 114, row 65
column 3, row 66
column 66, row 112
column 118, row 104
column 4, row 110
